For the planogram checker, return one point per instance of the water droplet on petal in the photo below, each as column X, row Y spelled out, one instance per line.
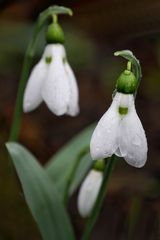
column 108, row 130
column 97, row 149
column 28, row 104
column 136, row 141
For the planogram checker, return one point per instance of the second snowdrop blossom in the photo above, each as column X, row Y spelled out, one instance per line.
column 89, row 191
column 52, row 79
column 120, row 131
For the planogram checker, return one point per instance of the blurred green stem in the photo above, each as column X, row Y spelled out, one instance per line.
column 73, row 172
column 134, row 214
column 16, row 123
column 18, row 108
column 102, row 193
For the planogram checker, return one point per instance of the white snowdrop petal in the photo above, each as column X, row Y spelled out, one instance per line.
column 56, row 91
column 73, row 108
column 118, row 153
column 104, row 139
column 32, row 94
column 88, row 192
column 125, row 100
column 132, row 140
column 56, row 51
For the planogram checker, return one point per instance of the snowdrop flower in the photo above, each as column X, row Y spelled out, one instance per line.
column 52, row 79
column 89, row 191
column 120, row 131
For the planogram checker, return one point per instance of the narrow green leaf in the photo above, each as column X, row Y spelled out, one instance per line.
column 61, row 165
column 83, row 167
column 41, row 195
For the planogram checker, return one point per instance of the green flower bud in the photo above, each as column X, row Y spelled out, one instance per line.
column 127, row 82
column 99, row 165
column 54, row 33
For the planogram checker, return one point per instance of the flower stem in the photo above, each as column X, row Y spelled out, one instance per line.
column 18, row 108
column 55, row 18
column 136, row 204
column 53, row 10
column 95, row 213
column 129, row 66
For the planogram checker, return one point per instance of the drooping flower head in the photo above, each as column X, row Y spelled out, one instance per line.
column 90, row 188
column 88, row 192
column 52, row 79
column 120, row 131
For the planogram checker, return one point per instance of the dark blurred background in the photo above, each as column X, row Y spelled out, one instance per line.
column 96, row 30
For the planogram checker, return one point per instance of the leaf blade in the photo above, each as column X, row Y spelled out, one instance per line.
column 41, row 195
column 64, row 160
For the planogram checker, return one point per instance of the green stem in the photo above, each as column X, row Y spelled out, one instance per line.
column 81, row 154
column 102, row 193
column 18, row 108
column 27, row 66
column 55, row 18
column 129, row 66
column 134, row 214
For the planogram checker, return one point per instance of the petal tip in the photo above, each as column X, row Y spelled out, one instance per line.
column 139, row 163
column 74, row 112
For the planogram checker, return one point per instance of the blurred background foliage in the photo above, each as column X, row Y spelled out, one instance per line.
column 96, row 30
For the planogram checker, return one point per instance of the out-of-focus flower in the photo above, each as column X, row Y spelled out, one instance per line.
column 89, row 191
column 52, row 79
column 120, row 131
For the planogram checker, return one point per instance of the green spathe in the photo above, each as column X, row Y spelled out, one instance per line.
column 54, row 33
column 127, row 82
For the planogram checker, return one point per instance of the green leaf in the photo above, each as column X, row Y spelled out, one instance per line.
column 41, row 195
column 61, row 166
column 83, row 167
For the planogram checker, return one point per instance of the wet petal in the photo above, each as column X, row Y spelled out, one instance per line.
column 32, row 94
column 55, row 51
column 88, row 192
column 104, row 139
column 118, row 153
column 73, row 108
column 125, row 100
column 132, row 140
column 56, row 91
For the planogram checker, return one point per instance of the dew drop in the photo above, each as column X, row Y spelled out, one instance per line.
column 136, row 141
column 28, row 104
column 97, row 149
column 108, row 130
